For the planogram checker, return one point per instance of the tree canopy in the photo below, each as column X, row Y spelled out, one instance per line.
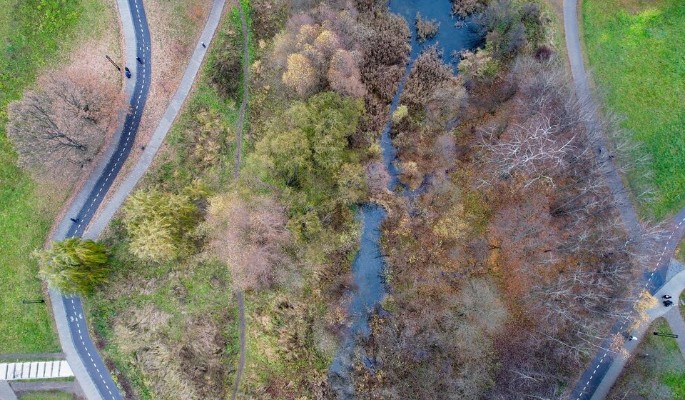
column 306, row 151
column 74, row 265
column 159, row 224
column 63, row 122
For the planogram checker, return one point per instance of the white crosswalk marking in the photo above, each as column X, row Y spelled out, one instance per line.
column 25, row 369
column 35, row 370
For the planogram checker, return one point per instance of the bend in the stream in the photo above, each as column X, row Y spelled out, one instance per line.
column 368, row 267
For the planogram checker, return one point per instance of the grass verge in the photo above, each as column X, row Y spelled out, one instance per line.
column 173, row 332
column 656, row 370
column 634, row 48
column 47, row 396
column 36, row 34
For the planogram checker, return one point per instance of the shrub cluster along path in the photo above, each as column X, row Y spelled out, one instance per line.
column 605, row 368
column 80, row 351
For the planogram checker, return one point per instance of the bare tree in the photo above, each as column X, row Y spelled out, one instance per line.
column 534, row 148
column 250, row 238
column 63, row 122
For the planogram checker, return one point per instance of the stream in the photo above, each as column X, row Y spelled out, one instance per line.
column 368, row 266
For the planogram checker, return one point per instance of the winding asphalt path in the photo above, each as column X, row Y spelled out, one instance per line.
column 596, row 381
column 82, row 355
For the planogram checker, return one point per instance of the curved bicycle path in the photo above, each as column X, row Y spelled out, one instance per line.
column 81, row 353
column 596, row 381
column 76, row 342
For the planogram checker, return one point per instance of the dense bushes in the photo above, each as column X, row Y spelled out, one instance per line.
column 385, row 52
column 425, row 28
column 428, row 74
column 160, row 225
column 319, row 50
column 518, row 199
column 225, row 64
column 306, row 152
column 506, row 33
column 515, row 207
column 464, row 8
column 250, row 238
column 508, row 27
column 268, row 17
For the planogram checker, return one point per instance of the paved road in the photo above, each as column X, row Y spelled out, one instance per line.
column 81, row 353
column 121, row 193
column 675, row 320
column 604, row 369
column 611, row 370
column 76, row 342
column 6, row 392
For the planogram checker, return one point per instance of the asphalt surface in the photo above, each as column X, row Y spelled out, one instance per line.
column 83, row 343
column 93, row 377
column 654, row 276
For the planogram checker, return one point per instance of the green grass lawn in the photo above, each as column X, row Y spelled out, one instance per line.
column 635, row 51
column 35, row 34
column 680, row 251
column 47, row 396
column 656, row 371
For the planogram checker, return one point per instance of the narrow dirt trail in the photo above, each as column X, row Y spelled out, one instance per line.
column 236, row 173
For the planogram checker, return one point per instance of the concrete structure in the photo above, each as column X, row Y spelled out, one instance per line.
column 6, row 392
column 35, row 370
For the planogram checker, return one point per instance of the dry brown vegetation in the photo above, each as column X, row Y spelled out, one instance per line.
column 59, row 127
column 465, row 8
column 174, row 29
column 517, row 209
column 170, row 332
column 249, row 238
column 173, row 366
column 320, row 49
column 425, row 28
column 503, row 276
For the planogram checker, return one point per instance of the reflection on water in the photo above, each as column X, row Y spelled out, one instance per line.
column 368, row 267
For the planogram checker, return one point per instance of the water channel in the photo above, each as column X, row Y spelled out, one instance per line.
column 453, row 36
